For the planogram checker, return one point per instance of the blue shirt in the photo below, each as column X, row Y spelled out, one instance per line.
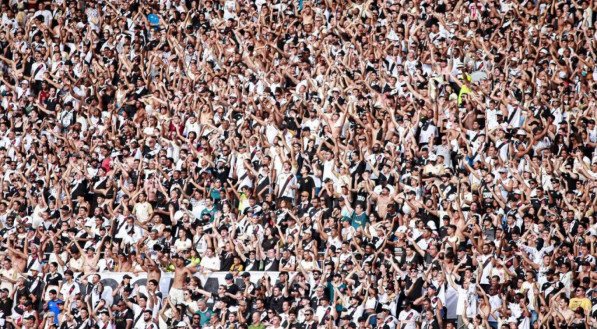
column 53, row 307
column 359, row 220
column 205, row 316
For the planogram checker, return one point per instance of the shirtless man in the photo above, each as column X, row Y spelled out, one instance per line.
column 152, row 269
column 180, row 275
column 90, row 258
column 19, row 259
column 383, row 200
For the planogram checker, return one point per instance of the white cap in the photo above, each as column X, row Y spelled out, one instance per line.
column 432, row 225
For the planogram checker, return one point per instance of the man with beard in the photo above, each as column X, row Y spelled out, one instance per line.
column 145, row 321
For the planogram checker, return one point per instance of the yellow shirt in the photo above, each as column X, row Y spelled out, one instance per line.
column 243, row 202
column 463, row 90
column 195, row 261
column 584, row 302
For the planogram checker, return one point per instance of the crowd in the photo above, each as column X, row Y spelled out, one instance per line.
column 391, row 164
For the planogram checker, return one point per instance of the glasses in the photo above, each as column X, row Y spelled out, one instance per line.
column 308, row 314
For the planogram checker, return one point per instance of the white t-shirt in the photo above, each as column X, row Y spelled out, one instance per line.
column 410, row 319
column 183, row 245
column 428, row 134
column 211, row 263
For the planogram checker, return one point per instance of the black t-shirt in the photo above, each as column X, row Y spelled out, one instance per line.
column 232, row 289
column 294, row 325
column 306, row 184
column 271, row 264
column 269, row 243
column 5, row 306
column 570, row 181
column 360, row 197
column 120, row 318
column 252, row 265
column 227, row 259
column 302, row 208
column 551, row 288
column 275, row 303
column 172, row 323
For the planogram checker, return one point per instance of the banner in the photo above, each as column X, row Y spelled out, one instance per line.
column 113, row 279
column 210, row 281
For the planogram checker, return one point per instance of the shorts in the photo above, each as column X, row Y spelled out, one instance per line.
column 176, row 295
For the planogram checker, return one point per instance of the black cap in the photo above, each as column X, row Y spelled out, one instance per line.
column 126, row 276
